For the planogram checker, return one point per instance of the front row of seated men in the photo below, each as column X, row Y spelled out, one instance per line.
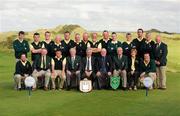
column 73, row 69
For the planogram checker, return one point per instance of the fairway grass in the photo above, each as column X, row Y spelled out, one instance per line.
column 95, row 103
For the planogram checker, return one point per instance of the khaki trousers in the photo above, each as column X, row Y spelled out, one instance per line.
column 17, row 79
column 58, row 73
column 161, row 76
column 123, row 75
column 46, row 73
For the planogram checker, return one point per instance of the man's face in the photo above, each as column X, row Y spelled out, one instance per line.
column 94, row 37
column 114, row 37
column 119, row 51
column 158, row 39
column 140, row 33
column 47, row 36
column 21, row 36
column 128, row 37
column 85, row 37
column 72, row 52
column 58, row 39
column 146, row 57
column 67, row 36
column 43, row 52
column 58, row 54
column 103, row 52
column 106, row 35
column 23, row 57
column 77, row 38
column 36, row 38
column 148, row 37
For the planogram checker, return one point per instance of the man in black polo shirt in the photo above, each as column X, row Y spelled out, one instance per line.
column 105, row 40
column 23, row 70
column 57, row 46
column 67, row 43
column 85, row 43
column 128, row 45
column 148, row 46
column 20, row 46
column 96, row 46
column 48, row 43
column 77, row 44
column 58, row 70
column 35, row 47
column 113, row 45
column 138, row 42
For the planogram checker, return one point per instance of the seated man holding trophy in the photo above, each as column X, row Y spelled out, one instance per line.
column 147, row 68
column 23, row 70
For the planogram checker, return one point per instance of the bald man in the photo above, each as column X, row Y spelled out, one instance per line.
column 104, row 69
column 120, row 66
column 85, row 43
column 161, row 52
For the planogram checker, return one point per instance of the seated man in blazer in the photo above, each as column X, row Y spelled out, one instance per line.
column 88, row 65
column 42, row 67
column 147, row 68
column 133, row 70
column 104, row 69
column 73, row 68
column 23, row 70
column 120, row 66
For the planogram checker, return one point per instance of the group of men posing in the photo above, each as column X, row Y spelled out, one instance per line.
column 97, row 60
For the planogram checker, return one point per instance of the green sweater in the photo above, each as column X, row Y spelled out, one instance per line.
column 151, row 67
column 20, row 48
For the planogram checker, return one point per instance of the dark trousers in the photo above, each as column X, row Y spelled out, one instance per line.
column 133, row 79
column 73, row 77
column 103, row 81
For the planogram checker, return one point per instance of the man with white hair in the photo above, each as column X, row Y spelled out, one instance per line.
column 73, row 69
column 161, row 52
column 104, row 69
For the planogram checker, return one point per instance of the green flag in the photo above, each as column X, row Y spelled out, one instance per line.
column 114, row 82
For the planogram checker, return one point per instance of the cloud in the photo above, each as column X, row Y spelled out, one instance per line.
column 115, row 15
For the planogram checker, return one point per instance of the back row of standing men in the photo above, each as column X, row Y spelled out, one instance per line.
column 95, row 60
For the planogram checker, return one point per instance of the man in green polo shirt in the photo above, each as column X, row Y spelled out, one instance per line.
column 113, row 45
column 20, row 46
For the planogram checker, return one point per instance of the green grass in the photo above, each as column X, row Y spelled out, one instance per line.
column 95, row 103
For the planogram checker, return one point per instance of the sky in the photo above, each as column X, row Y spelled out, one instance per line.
column 93, row 15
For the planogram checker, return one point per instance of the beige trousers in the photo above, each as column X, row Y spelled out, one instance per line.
column 123, row 75
column 17, row 79
column 161, row 76
column 58, row 73
column 47, row 75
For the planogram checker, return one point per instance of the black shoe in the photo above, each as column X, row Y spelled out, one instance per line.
column 68, row 88
column 124, row 88
column 19, row 89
